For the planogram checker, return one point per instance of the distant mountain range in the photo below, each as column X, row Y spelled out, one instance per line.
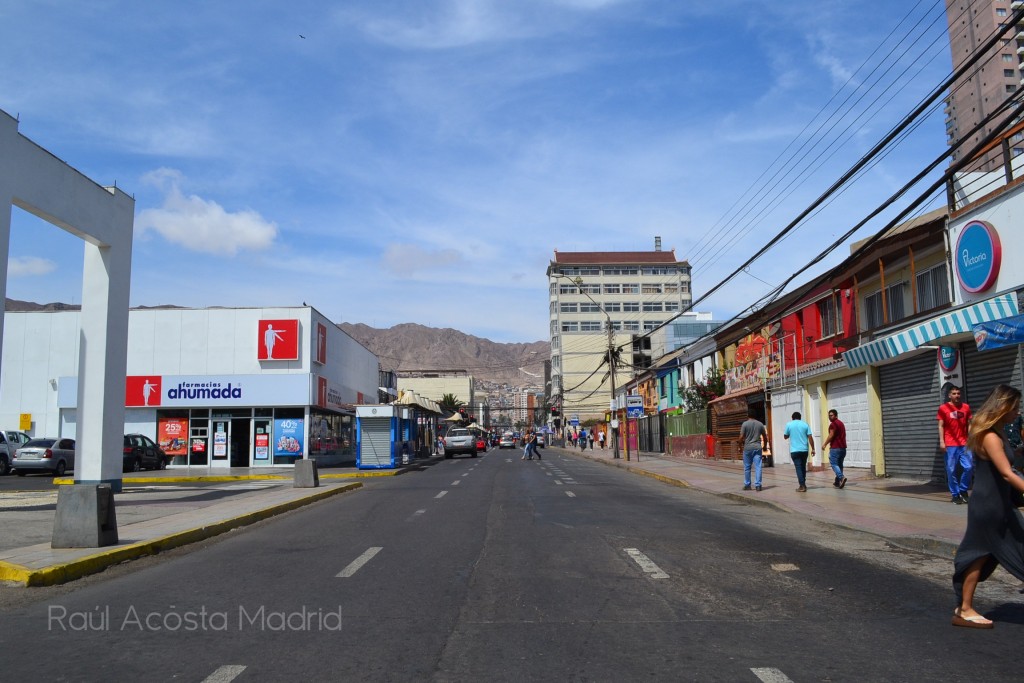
column 416, row 347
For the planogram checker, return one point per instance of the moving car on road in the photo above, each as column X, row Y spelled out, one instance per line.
column 459, row 440
column 55, row 456
column 507, row 441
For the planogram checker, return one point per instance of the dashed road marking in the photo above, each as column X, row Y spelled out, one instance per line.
column 570, row 494
column 466, row 474
column 225, row 674
column 415, row 515
column 645, row 564
column 785, row 567
column 456, row 482
column 558, row 482
column 767, row 675
column 442, row 494
column 354, row 566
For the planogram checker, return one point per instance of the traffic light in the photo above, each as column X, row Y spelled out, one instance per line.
column 554, row 412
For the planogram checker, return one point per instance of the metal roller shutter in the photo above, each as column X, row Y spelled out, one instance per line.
column 375, row 442
column 984, row 370
column 849, row 397
column 910, row 435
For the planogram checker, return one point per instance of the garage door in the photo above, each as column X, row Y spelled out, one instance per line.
column 785, row 402
column 849, row 397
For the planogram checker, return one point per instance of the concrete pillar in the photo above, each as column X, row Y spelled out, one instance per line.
column 85, row 517
column 875, row 421
column 306, row 476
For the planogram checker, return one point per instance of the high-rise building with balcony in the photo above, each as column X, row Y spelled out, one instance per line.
column 996, row 77
column 634, row 292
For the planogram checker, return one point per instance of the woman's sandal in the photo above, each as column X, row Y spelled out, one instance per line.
column 977, row 621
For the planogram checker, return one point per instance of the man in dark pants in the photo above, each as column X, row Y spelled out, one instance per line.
column 836, row 444
column 801, row 442
column 954, row 420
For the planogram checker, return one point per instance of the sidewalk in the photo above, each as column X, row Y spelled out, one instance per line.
column 907, row 513
column 154, row 514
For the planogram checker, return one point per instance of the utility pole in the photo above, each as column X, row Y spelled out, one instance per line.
column 611, row 370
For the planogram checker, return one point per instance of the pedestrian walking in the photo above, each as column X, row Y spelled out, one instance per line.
column 1015, row 437
column 590, row 438
column 954, row 420
column 995, row 530
column 600, row 439
column 754, row 437
column 530, row 441
column 801, row 442
column 835, row 442
column 583, row 439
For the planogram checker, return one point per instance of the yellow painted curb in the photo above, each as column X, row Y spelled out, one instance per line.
column 92, row 564
column 364, row 474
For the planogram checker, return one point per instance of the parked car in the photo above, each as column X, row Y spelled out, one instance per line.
column 481, row 443
column 507, row 441
column 10, row 441
column 55, row 456
column 459, row 440
column 140, row 453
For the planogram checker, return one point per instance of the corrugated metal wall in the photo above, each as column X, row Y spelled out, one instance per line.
column 984, row 370
column 910, row 432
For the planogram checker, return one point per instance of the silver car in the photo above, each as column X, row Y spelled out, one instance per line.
column 56, row 456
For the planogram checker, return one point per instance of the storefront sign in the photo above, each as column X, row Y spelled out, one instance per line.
column 262, row 447
column 141, row 391
column 321, row 344
column 288, row 438
column 278, row 340
column 195, row 391
column 220, row 445
column 949, row 367
column 977, row 257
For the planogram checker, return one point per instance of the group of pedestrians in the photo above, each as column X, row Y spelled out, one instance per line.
column 583, row 437
column 801, row 446
column 530, row 447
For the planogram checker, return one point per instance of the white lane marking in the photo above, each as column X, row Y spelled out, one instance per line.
column 466, row 474
column 355, row 564
column 414, row 515
column 225, row 674
column 456, row 482
column 508, row 459
column 767, row 675
column 558, row 482
column 548, row 473
column 441, row 495
column 645, row 563
column 570, row 494
column 785, row 567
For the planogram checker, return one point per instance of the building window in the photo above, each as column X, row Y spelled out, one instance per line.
column 659, row 271
column 567, row 308
column 1009, row 73
column 1007, row 58
column 631, row 307
column 1011, row 87
column 614, row 307
column 1000, row 11
column 612, row 289
column 617, row 325
column 631, row 325
column 630, row 289
column 684, row 286
column 651, row 324
column 893, row 303
column 652, row 306
column 829, row 315
column 618, row 270
column 567, row 289
column 671, row 306
column 671, row 289
column 652, row 289
column 590, row 326
column 589, row 307
column 590, row 289
column 555, row 341
column 570, row 327
column 933, row 287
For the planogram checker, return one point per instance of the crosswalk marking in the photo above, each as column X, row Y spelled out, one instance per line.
column 768, row 675
column 785, row 567
column 645, row 563
column 570, row 494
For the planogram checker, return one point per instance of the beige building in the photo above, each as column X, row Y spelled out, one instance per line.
column 634, row 291
column 434, row 384
column 979, row 92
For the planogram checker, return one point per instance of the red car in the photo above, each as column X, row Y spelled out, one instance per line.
column 481, row 443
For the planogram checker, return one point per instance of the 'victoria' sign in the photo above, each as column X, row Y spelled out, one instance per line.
column 977, row 256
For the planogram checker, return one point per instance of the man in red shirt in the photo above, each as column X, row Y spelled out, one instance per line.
column 954, row 418
column 836, row 445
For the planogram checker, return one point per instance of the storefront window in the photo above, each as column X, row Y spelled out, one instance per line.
column 289, row 435
column 331, row 438
column 172, row 435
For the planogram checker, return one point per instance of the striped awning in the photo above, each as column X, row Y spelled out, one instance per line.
column 914, row 337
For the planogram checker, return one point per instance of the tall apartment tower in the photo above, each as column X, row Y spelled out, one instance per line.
column 634, row 291
column 979, row 92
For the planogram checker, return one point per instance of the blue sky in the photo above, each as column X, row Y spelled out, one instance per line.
column 392, row 161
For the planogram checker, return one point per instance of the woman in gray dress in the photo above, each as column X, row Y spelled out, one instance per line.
column 995, row 529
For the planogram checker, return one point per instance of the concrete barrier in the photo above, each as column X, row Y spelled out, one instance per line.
column 85, row 517
column 306, row 476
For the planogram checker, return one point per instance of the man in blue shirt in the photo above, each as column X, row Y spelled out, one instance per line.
column 801, row 441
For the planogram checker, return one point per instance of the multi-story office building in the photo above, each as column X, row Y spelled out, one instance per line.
column 633, row 291
column 686, row 329
column 996, row 77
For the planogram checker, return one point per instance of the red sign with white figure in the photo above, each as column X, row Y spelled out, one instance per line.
column 278, row 340
column 142, row 391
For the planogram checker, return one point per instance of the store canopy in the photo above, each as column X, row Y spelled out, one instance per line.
column 910, row 339
column 999, row 333
column 455, row 417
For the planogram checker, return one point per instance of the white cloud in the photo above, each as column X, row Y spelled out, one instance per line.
column 202, row 225
column 29, row 266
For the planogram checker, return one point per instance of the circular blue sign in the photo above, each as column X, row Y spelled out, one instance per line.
column 977, row 257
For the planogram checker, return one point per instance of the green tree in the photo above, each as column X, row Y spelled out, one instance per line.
column 698, row 395
column 450, row 404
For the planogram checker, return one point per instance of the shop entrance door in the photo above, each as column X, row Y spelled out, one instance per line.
column 261, row 443
column 240, row 441
column 221, row 438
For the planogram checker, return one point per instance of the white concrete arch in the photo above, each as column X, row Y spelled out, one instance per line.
column 36, row 181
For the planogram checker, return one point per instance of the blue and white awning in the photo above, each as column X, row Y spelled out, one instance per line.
column 957, row 321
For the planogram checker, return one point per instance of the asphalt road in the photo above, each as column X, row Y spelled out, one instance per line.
column 498, row 569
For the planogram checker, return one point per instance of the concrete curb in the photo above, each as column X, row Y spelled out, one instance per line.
column 926, row 544
column 92, row 564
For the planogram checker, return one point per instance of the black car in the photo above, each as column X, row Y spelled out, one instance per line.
column 140, row 453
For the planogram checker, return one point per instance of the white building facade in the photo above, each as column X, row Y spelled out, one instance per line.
column 221, row 387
